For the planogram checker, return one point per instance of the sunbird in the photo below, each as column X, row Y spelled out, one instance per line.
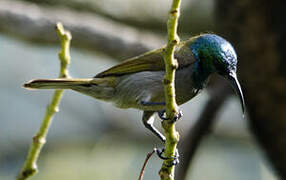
column 138, row 82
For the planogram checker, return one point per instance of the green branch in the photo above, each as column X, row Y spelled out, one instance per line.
column 172, row 136
column 30, row 166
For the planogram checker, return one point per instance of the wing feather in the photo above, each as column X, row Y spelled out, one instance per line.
column 150, row 61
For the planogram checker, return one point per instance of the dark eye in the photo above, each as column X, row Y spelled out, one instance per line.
column 221, row 67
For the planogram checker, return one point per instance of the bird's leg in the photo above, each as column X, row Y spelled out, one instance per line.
column 148, row 120
column 162, row 113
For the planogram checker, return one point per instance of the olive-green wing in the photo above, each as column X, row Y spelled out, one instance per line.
column 150, row 61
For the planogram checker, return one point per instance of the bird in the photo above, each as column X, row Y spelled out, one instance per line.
column 138, row 82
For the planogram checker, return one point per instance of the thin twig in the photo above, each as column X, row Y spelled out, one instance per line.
column 145, row 163
column 172, row 136
column 30, row 167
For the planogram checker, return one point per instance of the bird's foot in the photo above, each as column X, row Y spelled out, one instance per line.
column 174, row 158
column 162, row 115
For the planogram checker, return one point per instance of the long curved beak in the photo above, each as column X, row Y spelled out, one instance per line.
column 236, row 86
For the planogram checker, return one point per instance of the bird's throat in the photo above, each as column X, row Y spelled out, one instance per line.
column 200, row 75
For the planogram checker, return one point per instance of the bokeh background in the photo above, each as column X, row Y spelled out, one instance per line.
column 90, row 139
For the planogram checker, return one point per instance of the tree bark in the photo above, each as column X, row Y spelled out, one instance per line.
column 89, row 31
column 257, row 31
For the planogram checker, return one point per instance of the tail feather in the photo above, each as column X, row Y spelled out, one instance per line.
column 57, row 83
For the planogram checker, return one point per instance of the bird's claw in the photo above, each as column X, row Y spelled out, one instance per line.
column 162, row 116
column 179, row 115
column 175, row 158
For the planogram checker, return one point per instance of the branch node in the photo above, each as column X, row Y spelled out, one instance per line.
column 166, row 81
column 29, row 172
column 175, row 41
column 39, row 140
column 175, row 65
column 173, row 12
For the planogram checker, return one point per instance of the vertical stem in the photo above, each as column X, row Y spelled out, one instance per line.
column 30, row 167
column 172, row 136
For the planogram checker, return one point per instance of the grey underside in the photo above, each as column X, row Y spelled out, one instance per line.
column 147, row 86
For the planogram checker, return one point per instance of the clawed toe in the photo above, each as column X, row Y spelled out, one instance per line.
column 179, row 115
column 174, row 158
column 162, row 115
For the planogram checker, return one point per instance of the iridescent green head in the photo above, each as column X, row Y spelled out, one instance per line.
column 215, row 54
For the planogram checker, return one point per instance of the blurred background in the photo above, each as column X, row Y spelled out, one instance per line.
column 90, row 139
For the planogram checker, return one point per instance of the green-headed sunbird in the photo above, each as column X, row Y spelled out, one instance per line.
column 138, row 82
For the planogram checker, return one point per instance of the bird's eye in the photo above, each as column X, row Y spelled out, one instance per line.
column 221, row 67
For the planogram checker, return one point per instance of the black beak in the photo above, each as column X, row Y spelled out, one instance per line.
column 236, row 86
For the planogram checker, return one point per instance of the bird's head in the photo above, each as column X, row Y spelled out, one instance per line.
column 217, row 55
